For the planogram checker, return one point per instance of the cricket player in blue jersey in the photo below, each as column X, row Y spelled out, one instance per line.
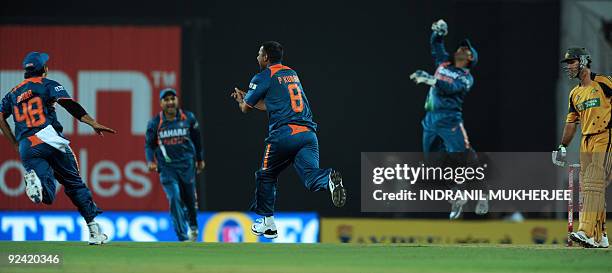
column 174, row 149
column 44, row 151
column 443, row 129
column 291, row 136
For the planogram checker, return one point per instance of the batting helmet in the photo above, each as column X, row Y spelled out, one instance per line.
column 576, row 53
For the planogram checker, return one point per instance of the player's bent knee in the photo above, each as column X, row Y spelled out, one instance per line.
column 265, row 176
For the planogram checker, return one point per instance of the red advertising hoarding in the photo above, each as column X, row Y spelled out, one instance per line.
column 116, row 73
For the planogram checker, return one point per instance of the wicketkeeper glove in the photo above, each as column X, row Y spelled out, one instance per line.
column 559, row 156
column 440, row 27
column 421, row 76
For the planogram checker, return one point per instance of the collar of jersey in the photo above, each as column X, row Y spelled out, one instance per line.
column 179, row 115
column 33, row 79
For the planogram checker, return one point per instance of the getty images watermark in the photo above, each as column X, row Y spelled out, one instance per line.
column 410, row 182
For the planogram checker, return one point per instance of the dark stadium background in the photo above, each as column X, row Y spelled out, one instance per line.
column 354, row 60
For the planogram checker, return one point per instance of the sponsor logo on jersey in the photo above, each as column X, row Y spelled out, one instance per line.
column 588, row 104
column 173, row 132
column 448, row 73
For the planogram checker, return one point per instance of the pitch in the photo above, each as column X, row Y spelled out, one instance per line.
column 308, row 258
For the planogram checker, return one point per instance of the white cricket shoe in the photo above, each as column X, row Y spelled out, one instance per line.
column 604, row 242
column 265, row 226
column 96, row 237
column 581, row 238
column 337, row 190
column 456, row 209
column 193, row 234
column 33, row 187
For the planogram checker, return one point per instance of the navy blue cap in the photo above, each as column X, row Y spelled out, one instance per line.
column 35, row 60
column 166, row 92
column 467, row 44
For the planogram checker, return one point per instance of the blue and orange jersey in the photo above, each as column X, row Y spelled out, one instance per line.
column 174, row 141
column 32, row 104
column 452, row 83
column 281, row 90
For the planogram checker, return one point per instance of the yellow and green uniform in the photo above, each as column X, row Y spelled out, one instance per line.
column 591, row 106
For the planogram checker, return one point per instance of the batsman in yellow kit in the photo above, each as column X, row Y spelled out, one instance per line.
column 590, row 106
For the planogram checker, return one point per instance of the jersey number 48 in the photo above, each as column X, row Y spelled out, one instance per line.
column 31, row 112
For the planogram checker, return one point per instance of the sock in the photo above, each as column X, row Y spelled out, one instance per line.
column 269, row 219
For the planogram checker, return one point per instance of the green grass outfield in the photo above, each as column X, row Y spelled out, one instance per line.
column 309, row 258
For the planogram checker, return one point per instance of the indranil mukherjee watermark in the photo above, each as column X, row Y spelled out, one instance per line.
column 453, row 195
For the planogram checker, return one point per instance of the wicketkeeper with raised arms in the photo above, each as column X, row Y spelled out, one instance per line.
column 443, row 130
column 589, row 106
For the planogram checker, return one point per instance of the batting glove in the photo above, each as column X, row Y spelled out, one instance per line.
column 440, row 27
column 421, row 76
column 559, row 156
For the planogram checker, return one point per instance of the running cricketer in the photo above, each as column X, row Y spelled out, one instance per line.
column 443, row 129
column 291, row 136
column 44, row 151
column 589, row 106
column 174, row 149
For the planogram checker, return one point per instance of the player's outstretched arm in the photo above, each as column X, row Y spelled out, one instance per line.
column 6, row 130
column 438, row 51
column 77, row 111
column 99, row 128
